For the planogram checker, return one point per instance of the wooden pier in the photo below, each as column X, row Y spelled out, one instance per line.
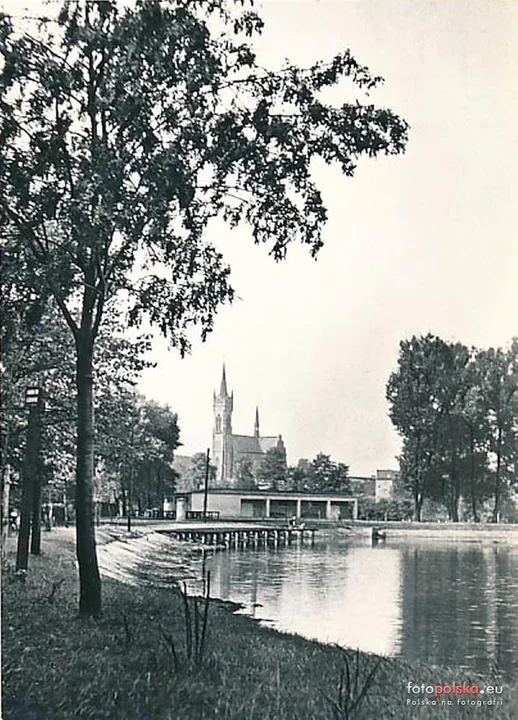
column 242, row 536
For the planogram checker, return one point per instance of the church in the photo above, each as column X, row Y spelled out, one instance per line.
column 228, row 449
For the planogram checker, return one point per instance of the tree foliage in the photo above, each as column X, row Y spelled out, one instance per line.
column 271, row 470
column 136, row 454
column 456, row 410
column 192, row 472
column 245, row 473
column 322, row 474
column 42, row 354
column 125, row 130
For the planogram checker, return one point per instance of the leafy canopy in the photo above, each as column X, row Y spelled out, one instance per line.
column 126, row 129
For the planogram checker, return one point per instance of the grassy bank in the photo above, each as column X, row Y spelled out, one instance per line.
column 133, row 663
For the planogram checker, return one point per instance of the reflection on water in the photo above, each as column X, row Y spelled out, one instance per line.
column 460, row 605
column 456, row 604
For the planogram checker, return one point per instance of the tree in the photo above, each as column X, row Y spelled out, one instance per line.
column 39, row 351
column 298, row 476
column 414, row 413
column 499, row 369
column 125, row 131
column 326, row 475
column 245, row 473
column 474, row 415
column 135, row 452
column 456, row 412
column 450, row 385
column 192, row 473
column 158, row 438
column 322, row 474
column 271, row 470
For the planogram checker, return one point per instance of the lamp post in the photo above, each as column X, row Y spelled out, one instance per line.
column 31, row 488
column 206, row 487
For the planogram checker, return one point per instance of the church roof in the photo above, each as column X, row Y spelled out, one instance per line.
column 247, row 444
column 268, row 442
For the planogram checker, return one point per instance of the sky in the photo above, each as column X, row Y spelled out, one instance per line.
column 417, row 243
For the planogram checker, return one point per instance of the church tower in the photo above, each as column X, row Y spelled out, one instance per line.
column 256, row 424
column 222, row 446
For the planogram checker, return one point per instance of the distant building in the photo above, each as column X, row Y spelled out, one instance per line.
column 384, row 488
column 257, row 504
column 228, row 449
column 376, row 487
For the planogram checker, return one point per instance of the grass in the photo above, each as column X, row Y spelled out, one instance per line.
column 138, row 661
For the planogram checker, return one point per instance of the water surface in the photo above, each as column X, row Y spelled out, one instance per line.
column 449, row 603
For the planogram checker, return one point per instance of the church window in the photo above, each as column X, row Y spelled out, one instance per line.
column 218, row 423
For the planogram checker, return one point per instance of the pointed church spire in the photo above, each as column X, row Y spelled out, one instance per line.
column 256, row 424
column 223, row 389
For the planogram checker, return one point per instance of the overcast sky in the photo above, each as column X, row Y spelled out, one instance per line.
column 422, row 242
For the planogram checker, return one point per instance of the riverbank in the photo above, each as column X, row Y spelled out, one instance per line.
column 440, row 531
column 133, row 662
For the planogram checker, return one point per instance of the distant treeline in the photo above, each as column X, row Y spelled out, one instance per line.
column 456, row 409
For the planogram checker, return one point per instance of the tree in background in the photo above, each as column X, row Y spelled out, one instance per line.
column 297, row 476
column 409, row 393
column 271, row 469
column 326, row 475
column 456, row 411
column 322, row 474
column 158, row 439
column 136, row 453
column 125, row 131
column 245, row 474
column 191, row 472
column 499, row 371
column 41, row 353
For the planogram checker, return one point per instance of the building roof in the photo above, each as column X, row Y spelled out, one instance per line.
column 246, row 444
column 268, row 442
column 277, row 494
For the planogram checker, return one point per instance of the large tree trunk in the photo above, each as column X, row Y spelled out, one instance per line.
column 89, row 578
column 30, row 469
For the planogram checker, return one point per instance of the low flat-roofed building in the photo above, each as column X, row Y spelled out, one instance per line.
column 259, row 504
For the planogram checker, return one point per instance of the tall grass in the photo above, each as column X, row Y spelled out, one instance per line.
column 356, row 676
column 195, row 621
column 157, row 654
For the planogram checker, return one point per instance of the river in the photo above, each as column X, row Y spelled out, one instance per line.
column 440, row 602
